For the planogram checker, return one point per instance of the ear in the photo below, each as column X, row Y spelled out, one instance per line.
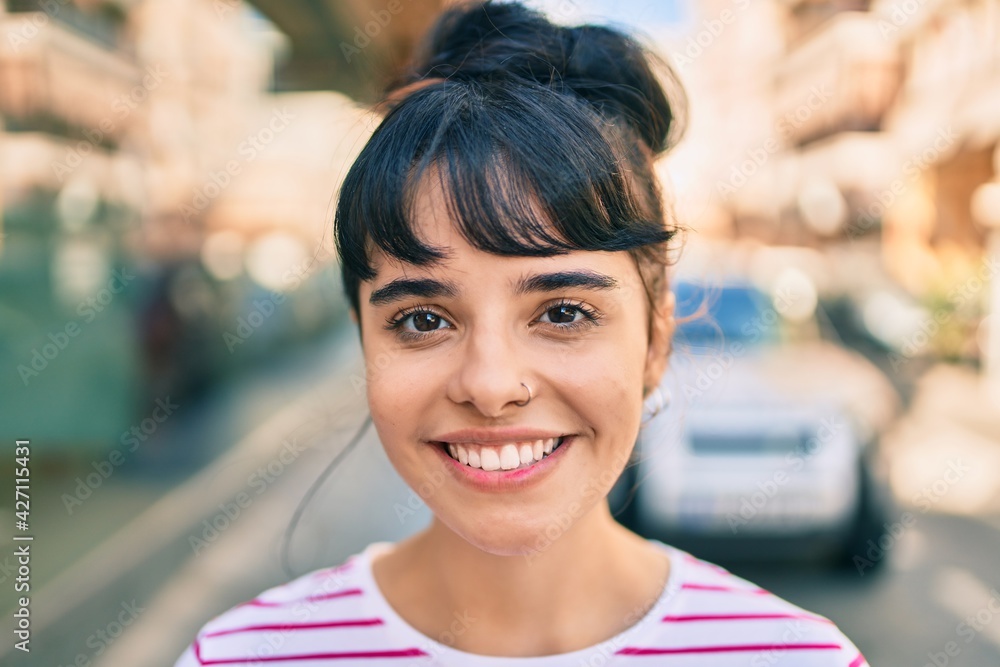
column 661, row 331
column 354, row 316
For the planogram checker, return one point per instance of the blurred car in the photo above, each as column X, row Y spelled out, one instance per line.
column 769, row 446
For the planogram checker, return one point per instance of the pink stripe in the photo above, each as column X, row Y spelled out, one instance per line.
column 402, row 653
column 704, row 563
column 326, row 596
column 197, row 652
column 729, row 589
column 858, row 661
column 725, row 649
column 299, row 626
column 740, row 617
column 340, row 569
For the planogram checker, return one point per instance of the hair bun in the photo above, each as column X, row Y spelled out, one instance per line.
column 493, row 41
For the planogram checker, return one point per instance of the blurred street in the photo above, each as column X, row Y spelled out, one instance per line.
column 176, row 346
column 180, row 572
column 935, row 589
column 171, row 536
column 931, row 587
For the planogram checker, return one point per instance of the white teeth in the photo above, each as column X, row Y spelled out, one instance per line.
column 509, row 458
column 538, row 449
column 489, row 458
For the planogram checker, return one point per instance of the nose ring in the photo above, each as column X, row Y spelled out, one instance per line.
column 523, row 403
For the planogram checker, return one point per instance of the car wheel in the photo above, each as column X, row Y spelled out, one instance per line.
column 861, row 551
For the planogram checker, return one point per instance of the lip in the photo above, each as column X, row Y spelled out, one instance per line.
column 494, row 435
column 501, row 481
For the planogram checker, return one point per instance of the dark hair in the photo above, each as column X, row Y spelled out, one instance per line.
column 519, row 116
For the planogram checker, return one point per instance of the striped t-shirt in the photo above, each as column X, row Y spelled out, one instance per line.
column 705, row 617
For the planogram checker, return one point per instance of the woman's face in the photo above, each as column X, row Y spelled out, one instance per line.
column 469, row 332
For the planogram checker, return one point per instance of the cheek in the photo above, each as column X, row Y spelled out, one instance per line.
column 603, row 379
column 393, row 397
column 400, row 387
column 386, row 386
column 394, row 410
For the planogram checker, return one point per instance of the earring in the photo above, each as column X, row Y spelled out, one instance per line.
column 655, row 403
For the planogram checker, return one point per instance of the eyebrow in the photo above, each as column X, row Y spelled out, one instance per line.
column 401, row 288
column 429, row 288
column 552, row 282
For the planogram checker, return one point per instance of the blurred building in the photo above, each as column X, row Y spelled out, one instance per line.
column 909, row 141
column 72, row 186
column 866, row 129
column 348, row 46
column 197, row 145
column 168, row 173
column 908, row 131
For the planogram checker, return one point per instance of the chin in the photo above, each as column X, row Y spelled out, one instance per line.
column 510, row 534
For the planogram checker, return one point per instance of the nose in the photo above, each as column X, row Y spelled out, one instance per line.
column 488, row 372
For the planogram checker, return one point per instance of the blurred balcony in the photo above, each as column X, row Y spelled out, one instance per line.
column 807, row 15
column 27, row 160
column 346, row 46
column 843, row 77
column 55, row 80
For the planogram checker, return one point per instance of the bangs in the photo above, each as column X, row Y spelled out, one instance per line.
column 526, row 171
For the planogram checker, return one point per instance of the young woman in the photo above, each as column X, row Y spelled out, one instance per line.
column 504, row 246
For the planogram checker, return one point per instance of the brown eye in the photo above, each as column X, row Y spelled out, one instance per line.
column 425, row 321
column 562, row 314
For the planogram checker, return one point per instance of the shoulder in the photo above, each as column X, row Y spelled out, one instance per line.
column 293, row 617
column 713, row 611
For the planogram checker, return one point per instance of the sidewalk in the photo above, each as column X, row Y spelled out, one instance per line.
column 944, row 454
column 234, row 554
column 964, row 395
column 131, row 535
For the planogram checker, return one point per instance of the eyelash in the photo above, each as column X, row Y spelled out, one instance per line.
column 395, row 324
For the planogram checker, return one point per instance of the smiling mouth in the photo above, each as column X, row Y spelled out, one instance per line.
column 502, row 456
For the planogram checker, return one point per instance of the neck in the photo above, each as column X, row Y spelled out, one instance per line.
column 592, row 582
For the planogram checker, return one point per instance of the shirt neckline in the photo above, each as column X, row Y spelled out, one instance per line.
column 446, row 655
